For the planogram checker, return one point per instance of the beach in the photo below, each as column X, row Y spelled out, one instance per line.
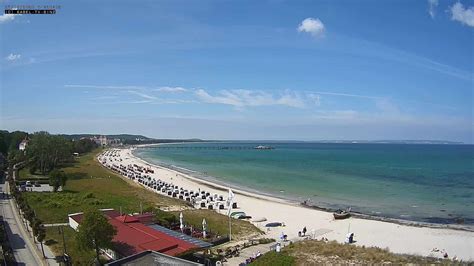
column 396, row 237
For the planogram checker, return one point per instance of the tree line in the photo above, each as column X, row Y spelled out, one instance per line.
column 44, row 152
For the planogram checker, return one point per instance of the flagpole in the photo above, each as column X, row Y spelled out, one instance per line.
column 229, row 209
column 230, row 229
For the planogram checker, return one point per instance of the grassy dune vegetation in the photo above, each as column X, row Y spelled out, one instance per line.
column 219, row 223
column 313, row 252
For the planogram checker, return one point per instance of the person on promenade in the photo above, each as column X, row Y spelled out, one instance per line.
column 304, row 231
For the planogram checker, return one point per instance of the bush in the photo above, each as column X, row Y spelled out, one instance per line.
column 89, row 195
column 265, row 240
column 275, row 259
column 96, row 202
column 165, row 219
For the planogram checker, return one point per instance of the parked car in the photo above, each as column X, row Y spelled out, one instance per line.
column 28, row 184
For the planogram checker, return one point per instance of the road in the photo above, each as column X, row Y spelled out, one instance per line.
column 21, row 244
column 21, row 241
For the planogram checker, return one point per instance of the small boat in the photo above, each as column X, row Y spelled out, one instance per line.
column 274, row 224
column 259, row 219
column 341, row 214
column 261, row 147
column 236, row 215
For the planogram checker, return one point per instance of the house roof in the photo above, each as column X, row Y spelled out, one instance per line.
column 133, row 236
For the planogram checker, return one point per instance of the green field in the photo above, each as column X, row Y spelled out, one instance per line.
column 90, row 184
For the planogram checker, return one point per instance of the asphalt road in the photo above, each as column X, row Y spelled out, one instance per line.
column 23, row 249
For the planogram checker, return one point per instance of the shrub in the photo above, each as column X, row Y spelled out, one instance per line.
column 89, row 195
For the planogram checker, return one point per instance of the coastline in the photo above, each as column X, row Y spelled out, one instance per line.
column 240, row 189
column 398, row 236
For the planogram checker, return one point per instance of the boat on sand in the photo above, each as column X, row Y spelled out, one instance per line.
column 341, row 214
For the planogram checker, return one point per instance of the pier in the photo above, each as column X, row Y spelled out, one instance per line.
column 173, row 147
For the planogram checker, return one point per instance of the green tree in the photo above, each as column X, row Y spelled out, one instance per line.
column 39, row 232
column 45, row 151
column 9, row 141
column 83, row 145
column 29, row 214
column 57, row 179
column 95, row 232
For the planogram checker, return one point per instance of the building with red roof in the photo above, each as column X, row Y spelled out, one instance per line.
column 136, row 234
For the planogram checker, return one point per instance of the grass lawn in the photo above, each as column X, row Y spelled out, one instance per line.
column 320, row 252
column 54, row 240
column 90, row 184
column 24, row 174
column 219, row 223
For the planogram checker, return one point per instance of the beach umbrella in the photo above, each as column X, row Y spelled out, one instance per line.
column 204, row 227
column 181, row 226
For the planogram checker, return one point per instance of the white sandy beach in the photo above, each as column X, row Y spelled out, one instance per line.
column 397, row 238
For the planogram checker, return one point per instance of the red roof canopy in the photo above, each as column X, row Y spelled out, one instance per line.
column 133, row 236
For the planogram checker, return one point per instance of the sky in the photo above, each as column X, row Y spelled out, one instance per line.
column 273, row 70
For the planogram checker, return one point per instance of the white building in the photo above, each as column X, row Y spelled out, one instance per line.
column 23, row 145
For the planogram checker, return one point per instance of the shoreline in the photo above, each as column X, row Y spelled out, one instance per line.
column 399, row 237
column 240, row 189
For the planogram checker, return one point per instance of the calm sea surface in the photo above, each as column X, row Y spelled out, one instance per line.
column 429, row 183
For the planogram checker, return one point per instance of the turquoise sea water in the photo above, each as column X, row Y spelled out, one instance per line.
column 429, row 183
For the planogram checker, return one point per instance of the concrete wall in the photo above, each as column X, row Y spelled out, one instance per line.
column 73, row 224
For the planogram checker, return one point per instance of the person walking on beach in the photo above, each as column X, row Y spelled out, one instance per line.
column 304, row 231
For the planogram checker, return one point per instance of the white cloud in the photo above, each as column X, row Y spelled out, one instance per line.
column 432, row 5
column 313, row 26
column 171, row 89
column 463, row 15
column 13, row 57
column 241, row 98
column 5, row 18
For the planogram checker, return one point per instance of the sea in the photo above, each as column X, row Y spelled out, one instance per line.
column 409, row 182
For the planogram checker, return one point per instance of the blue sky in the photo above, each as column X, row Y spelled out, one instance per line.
column 304, row 70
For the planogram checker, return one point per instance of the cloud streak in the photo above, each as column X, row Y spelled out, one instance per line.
column 346, row 95
column 432, row 5
column 107, row 87
column 242, row 98
column 171, row 89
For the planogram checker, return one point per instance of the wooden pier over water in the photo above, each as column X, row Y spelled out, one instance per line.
column 185, row 147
